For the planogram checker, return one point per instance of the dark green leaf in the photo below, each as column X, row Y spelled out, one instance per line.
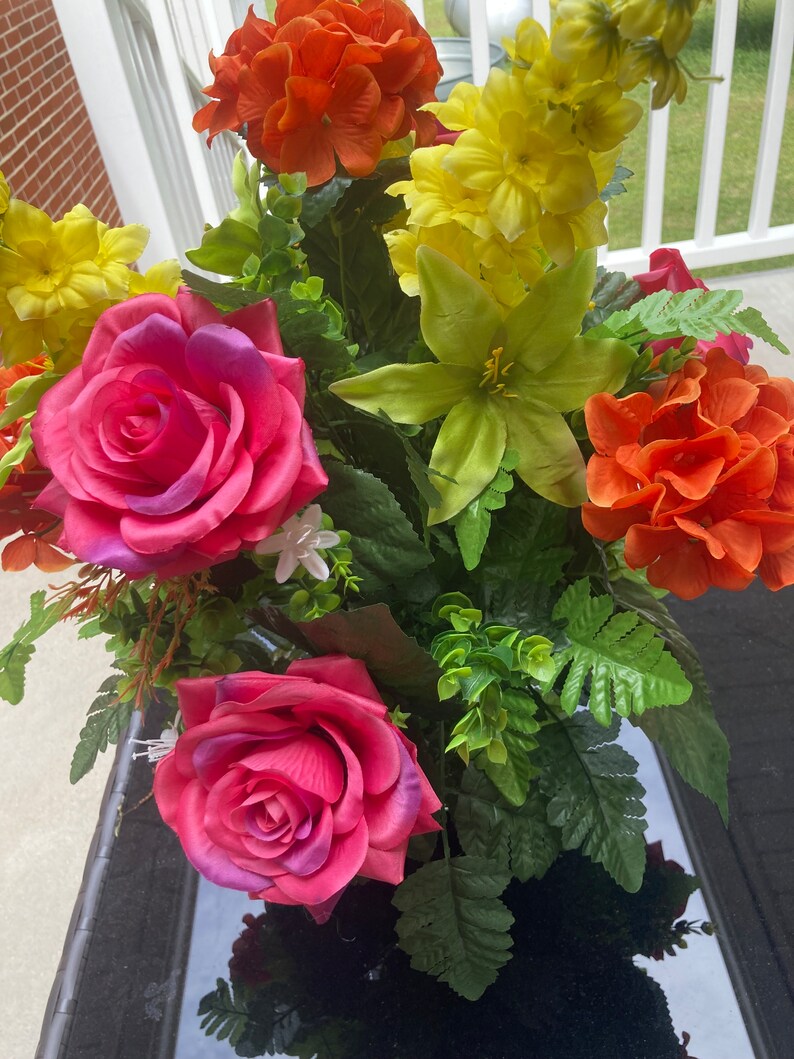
column 107, row 721
column 223, row 295
column 516, row 837
column 616, row 185
column 528, row 543
column 593, row 796
column 613, row 291
column 473, row 524
column 689, row 734
column 385, row 546
column 319, row 201
column 453, row 924
column 392, row 658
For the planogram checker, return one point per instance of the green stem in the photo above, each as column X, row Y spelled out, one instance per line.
column 336, row 228
column 442, row 794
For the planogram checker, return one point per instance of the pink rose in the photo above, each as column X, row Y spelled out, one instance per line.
column 179, row 440
column 289, row 785
column 669, row 272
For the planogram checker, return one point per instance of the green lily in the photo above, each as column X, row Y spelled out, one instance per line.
column 500, row 383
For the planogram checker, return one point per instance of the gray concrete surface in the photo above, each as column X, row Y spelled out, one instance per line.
column 46, row 825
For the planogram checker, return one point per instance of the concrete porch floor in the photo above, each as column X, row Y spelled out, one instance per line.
column 46, row 825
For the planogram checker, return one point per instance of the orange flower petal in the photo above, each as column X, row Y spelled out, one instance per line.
column 19, row 553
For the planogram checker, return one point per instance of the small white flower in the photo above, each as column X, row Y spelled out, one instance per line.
column 157, row 749
column 297, row 544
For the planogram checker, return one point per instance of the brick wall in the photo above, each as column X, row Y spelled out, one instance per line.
column 48, row 151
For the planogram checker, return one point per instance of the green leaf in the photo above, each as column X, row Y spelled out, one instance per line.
column 392, row 658
column 473, row 524
column 16, row 454
column 319, row 201
column 689, row 734
column 224, row 1013
column 512, row 777
column 107, row 721
column 693, row 313
column 613, row 291
column 528, row 544
column 223, row 295
column 308, row 332
column 628, row 664
column 453, row 924
column 593, row 796
column 225, row 249
column 749, row 321
column 385, row 546
column 24, row 396
column 616, row 185
column 518, row 838
column 15, row 656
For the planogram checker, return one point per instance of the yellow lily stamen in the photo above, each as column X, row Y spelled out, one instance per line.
column 493, row 371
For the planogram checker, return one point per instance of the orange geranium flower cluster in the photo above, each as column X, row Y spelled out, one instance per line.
column 699, row 477
column 17, row 497
column 326, row 80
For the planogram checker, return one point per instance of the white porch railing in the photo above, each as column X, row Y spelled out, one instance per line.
column 141, row 64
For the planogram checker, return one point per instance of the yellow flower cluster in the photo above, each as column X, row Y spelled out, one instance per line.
column 627, row 41
column 56, row 277
column 537, row 145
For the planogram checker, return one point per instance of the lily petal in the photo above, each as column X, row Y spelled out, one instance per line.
column 585, row 367
column 468, row 448
column 550, row 461
column 409, row 393
column 458, row 318
column 551, row 314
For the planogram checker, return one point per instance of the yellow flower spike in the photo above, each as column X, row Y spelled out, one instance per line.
column 47, row 266
column 118, row 249
column 5, row 194
column 457, row 112
column 552, row 80
column 530, row 44
column 604, row 117
column 586, row 32
column 163, row 278
column 642, row 18
column 435, row 197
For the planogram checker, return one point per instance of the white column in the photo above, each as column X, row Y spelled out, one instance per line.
column 102, row 76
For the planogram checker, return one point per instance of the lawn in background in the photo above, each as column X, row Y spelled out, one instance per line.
column 687, row 126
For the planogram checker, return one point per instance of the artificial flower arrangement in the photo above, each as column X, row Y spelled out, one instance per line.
column 384, row 519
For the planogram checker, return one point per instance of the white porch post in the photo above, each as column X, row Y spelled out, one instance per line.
column 107, row 92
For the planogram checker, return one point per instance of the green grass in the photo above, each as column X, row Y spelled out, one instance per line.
column 687, row 125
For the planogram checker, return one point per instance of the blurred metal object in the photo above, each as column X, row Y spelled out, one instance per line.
column 454, row 54
column 503, row 16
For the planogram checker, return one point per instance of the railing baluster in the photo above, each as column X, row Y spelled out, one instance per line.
column 774, row 115
column 716, row 122
column 418, row 8
column 655, row 167
column 480, row 44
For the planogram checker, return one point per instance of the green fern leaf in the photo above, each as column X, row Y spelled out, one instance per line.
column 16, row 655
column 594, row 798
column 693, row 313
column 473, row 524
column 749, row 321
column 517, row 838
column 224, row 1013
column 107, row 721
column 627, row 663
column 453, row 924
